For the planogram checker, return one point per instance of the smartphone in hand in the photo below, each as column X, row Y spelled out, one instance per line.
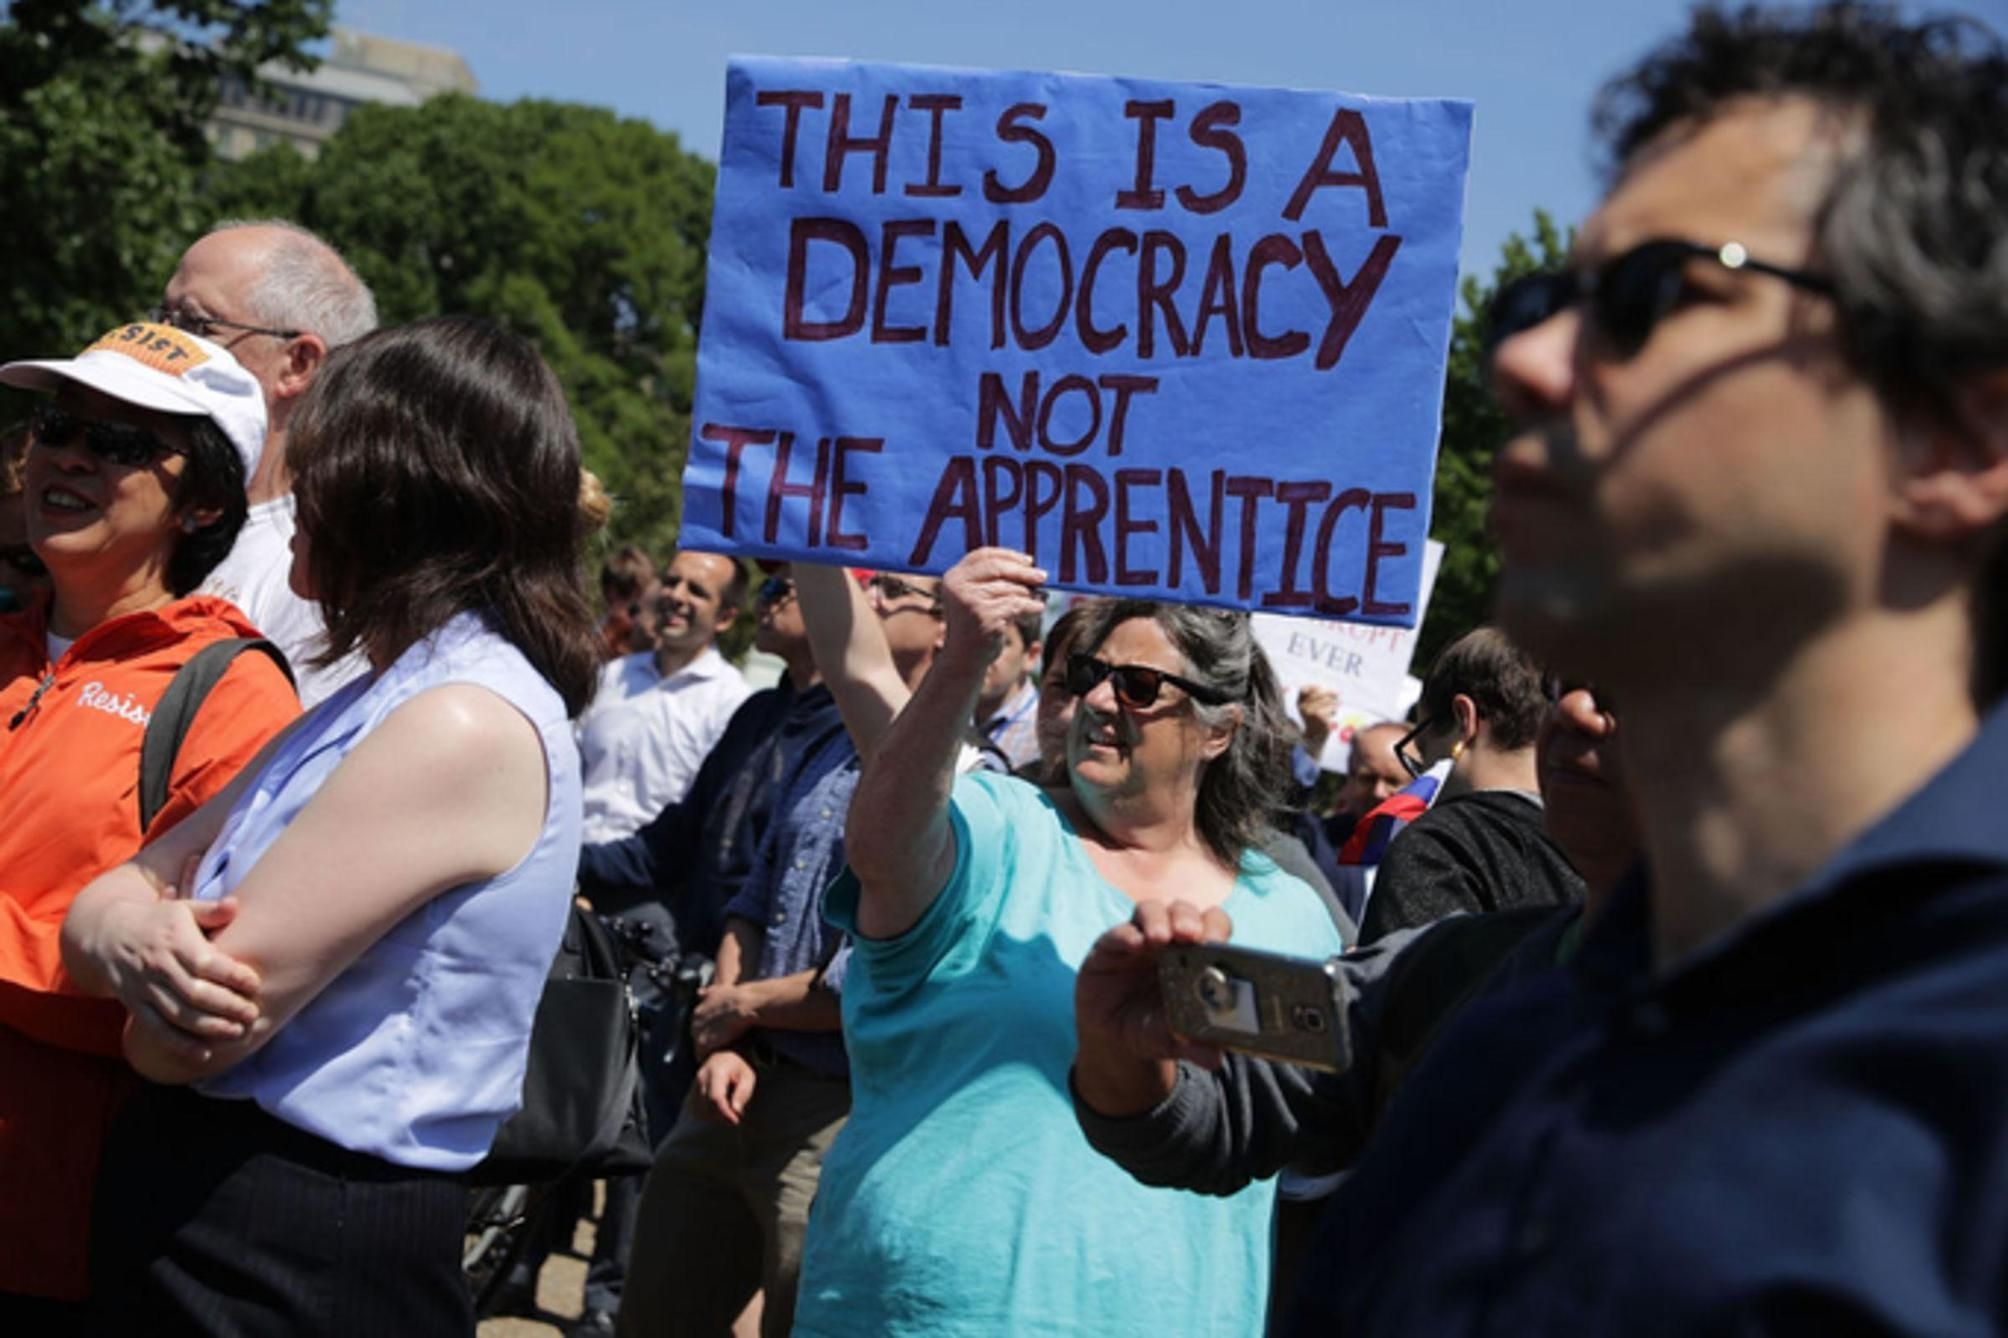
column 1289, row 1009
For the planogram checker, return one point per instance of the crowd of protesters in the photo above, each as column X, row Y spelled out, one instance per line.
column 1668, row 929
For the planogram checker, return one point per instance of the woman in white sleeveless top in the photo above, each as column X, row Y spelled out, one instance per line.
column 399, row 862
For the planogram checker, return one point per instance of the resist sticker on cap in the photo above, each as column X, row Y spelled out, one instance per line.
column 161, row 347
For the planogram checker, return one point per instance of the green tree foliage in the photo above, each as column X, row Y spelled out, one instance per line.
column 581, row 230
column 101, row 147
column 1473, row 432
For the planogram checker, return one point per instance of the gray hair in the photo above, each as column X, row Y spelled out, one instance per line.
column 306, row 285
column 1242, row 791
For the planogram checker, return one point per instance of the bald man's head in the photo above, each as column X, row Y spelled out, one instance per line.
column 1373, row 772
column 279, row 298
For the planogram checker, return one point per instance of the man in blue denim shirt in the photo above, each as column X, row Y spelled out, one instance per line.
column 726, row 1205
column 1757, row 495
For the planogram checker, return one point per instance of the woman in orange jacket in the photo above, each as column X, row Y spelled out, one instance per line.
column 134, row 490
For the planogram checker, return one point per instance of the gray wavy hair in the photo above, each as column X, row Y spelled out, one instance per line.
column 1241, row 792
column 306, row 285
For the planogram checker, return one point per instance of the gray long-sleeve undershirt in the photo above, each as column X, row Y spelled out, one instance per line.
column 1219, row 1130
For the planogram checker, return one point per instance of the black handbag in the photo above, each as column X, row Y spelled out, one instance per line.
column 582, row 1104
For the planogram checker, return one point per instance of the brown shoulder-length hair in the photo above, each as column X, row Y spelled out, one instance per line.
column 436, row 470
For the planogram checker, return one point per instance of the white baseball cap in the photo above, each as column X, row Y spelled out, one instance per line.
column 159, row 367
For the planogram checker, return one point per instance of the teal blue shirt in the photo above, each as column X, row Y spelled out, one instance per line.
column 961, row 1197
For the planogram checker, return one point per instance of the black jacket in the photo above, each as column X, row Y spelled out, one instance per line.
column 1476, row 852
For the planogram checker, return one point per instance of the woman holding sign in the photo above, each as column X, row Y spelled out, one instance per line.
column 961, row 1197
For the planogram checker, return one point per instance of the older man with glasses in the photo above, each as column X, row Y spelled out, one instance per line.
column 280, row 300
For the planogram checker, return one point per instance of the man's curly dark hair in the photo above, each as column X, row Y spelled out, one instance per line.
column 1911, row 227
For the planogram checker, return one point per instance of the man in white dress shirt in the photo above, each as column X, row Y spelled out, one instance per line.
column 280, row 299
column 659, row 712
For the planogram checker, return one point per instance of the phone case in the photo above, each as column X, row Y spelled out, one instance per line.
column 1263, row 1003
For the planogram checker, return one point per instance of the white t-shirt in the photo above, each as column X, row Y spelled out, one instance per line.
column 254, row 578
column 645, row 736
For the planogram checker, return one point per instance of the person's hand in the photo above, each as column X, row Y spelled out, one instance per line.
column 1116, row 995
column 172, row 980
column 1125, row 1063
column 1320, row 709
column 724, row 1013
column 984, row 593
column 725, row 1084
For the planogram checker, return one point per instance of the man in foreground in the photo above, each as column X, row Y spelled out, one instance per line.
column 1758, row 497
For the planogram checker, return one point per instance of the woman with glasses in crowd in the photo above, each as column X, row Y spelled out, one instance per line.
column 400, row 863
column 961, row 1197
column 131, row 489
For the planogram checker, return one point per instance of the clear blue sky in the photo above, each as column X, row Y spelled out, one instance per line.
column 1531, row 66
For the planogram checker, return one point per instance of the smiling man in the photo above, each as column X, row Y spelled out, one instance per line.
column 1756, row 494
column 658, row 712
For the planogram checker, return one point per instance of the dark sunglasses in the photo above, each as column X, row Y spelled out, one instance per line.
column 1628, row 294
column 23, row 559
column 1136, row 685
column 892, row 587
column 205, row 327
column 773, row 590
column 119, row 444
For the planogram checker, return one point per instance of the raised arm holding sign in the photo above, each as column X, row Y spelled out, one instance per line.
column 1172, row 340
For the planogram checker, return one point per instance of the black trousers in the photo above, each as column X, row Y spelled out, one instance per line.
column 213, row 1218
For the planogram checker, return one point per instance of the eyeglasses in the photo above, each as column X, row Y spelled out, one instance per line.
column 118, row 444
column 1404, row 750
column 891, row 587
column 205, row 327
column 1628, row 294
column 774, row 590
column 1136, row 685
column 23, row 559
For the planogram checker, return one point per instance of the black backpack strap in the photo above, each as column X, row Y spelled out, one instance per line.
column 175, row 713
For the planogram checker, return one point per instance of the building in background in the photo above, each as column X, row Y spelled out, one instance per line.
column 307, row 107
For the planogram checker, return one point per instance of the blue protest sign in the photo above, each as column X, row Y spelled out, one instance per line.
column 1176, row 340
